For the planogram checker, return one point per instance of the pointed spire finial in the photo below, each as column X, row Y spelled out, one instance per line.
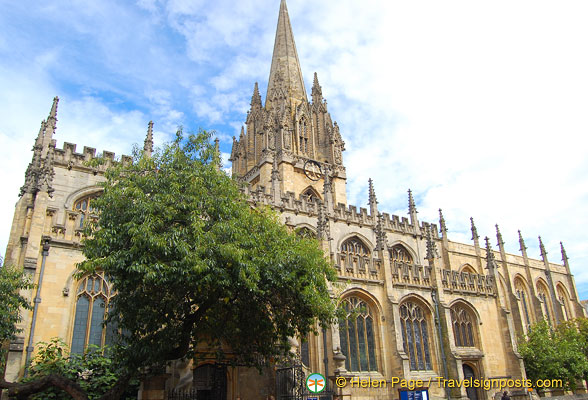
column 564, row 256
column 372, row 201
column 148, row 144
column 442, row 226
column 256, row 98
column 522, row 242
column 542, row 248
column 285, row 60
column 53, row 112
column 499, row 237
column 317, row 91
column 411, row 203
column 475, row 235
column 380, row 233
column 50, row 126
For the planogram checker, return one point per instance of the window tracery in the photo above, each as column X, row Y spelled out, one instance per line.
column 357, row 336
column 399, row 253
column 463, row 326
column 93, row 295
column 355, row 254
column 564, row 303
column 85, row 207
column 415, row 336
column 543, row 294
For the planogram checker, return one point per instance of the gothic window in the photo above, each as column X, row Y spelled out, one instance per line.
column 468, row 268
column 463, row 326
column 303, row 136
column 523, row 299
column 415, row 336
column 355, row 254
column 399, row 253
column 357, row 335
column 311, row 195
column 93, row 295
column 85, row 207
column 564, row 301
column 543, row 294
column 305, row 351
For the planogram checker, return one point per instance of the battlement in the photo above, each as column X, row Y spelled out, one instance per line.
column 68, row 157
column 349, row 214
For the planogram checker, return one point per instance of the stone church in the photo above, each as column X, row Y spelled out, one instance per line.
column 420, row 305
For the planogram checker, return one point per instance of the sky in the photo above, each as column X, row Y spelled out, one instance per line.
column 479, row 107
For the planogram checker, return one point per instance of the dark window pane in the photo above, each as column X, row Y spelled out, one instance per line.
column 418, row 344
column 363, row 362
column 371, row 343
column 410, row 341
column 80, row 325
column 354, row 362
column 96, row 323
column 426, row 344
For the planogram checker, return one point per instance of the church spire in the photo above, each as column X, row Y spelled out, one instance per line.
column 148, row 145
column 256, row 98
column 317, row 91
column 285, row 77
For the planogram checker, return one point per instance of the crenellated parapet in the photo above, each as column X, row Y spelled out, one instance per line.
column 67, row 157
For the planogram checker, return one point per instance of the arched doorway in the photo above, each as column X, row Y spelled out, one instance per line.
column 468, row 372
column 210, row 382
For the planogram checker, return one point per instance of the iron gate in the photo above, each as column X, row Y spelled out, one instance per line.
column 291, row 385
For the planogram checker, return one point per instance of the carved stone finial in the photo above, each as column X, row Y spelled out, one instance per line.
column 490, row 260
column 256, row 98
column 499, row 237
column 542, row 249
column 317, row 92
column 522, row 242
column 34, row 169
column 475, row 235
column 322, row 225
column 564, row 256
column 442, row 226
column 380, row 233
column 47, row 172
column 431, row 247
column 411, row 203
column 148, row 144
column 372, row 200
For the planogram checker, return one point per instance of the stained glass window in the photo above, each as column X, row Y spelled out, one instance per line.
column 357, row 336
column 564, row 302
column 463, row 326
column 91, row 306
column 415, row 336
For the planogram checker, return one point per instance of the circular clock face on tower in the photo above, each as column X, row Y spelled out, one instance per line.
column 312, row 170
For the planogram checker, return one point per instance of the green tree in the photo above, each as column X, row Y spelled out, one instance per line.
column 94, row 371
column 555, row 353
column 196, row 266
column 12, row 282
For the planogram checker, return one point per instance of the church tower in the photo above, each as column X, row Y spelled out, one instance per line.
column 290, row 135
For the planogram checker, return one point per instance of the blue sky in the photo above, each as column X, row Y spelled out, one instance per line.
column 480, row 109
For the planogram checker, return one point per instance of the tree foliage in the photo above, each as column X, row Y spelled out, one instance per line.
column 559, row 353
column 196, row 267
column 94, row 371
column 12, row 282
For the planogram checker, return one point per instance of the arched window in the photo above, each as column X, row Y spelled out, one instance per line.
column 355, row 253
column 463, row 326
column 93, row 296
column 357, row 335
column 546, row 308
column 311, row 195
column 523, row 299
column 85, row 207
column 400, row 254
column 468, row 268
column 415, row 336
column 303, row 136
column 564, row 300
column 305, row 351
